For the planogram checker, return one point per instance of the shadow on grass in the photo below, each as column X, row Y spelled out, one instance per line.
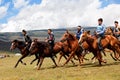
column 87, row 65
column 96, row 64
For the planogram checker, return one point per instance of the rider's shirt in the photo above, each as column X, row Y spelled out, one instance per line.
column 100, row 29
column 51, row 38
column 78, row 34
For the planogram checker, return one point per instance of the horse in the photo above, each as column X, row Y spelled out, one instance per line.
column 73, row 46
column 110, row 31
column 24, row 51
column 108, row 41
column 44, row 49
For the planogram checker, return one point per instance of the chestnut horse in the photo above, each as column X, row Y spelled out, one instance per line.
column 107, row 42
column 73, row 46
column 24, row 51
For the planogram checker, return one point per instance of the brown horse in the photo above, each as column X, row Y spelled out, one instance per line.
column 44, row 49
column 73, row 46
column 109, row 31
column 107, row 42
column 24, row 51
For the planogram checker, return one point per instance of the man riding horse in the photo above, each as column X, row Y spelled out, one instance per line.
column 50, row 39
column 117, row 29
column 28, row 40
column 79, row 32
column 100, row 32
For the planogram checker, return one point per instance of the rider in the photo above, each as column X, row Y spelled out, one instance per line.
column 117, row 29
column 79, row 32
column 100, row 32
column 28, row 40
column 50, row 39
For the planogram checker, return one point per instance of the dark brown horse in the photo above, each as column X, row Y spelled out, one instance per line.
column 23, row 50
column 44, row 49
column 107, row 42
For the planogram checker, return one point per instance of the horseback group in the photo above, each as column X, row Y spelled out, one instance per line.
column 71, row 45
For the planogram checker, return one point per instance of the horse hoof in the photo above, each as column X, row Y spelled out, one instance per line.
column 15, row 67
column 25, row 64
column 38, row 68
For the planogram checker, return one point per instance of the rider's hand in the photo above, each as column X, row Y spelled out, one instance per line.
column 26, row 43
column 46, row 40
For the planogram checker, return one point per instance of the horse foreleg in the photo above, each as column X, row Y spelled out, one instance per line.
column 41, row 61
column 71, row 55
column 61, row 54
column 33, row 60
column 70, row 60
column 53, row 61
column 36, row 57
column 23, row 62
column 20, row 60
column 99, row 56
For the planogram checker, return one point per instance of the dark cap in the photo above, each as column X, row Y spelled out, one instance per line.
column 24, row 30
column 116, row 22
column 100, row 19
column 79, row 26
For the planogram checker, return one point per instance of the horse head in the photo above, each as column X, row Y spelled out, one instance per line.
column 14, row 44
column 109, row 31
column 67, row 36
column 34, row 45
column 83, row 36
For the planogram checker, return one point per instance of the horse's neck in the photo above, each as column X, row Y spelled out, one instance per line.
column 21, row 48
column 90, row 40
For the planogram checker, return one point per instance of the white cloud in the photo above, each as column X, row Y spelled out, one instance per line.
column 3, row 10
column 62, row 13
column 20, row 3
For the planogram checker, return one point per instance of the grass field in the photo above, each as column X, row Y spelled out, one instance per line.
column 88, row 71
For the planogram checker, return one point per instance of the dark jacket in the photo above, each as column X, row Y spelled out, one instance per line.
column 27, row 39
column 51, row 38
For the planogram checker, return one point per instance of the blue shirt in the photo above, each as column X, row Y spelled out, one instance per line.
column 100, row 29
column 78, row 34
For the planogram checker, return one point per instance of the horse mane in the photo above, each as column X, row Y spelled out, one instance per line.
column 111, row 29
column 19, row 42
column 42, row 44
column 72, row 36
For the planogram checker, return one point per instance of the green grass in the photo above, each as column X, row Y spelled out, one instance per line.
column 88, row 71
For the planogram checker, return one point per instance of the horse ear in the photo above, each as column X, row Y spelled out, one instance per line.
column 35, row 40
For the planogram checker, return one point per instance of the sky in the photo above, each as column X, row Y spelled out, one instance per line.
column 16, row 15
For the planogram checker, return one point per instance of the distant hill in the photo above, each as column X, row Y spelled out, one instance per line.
column 6, row 38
